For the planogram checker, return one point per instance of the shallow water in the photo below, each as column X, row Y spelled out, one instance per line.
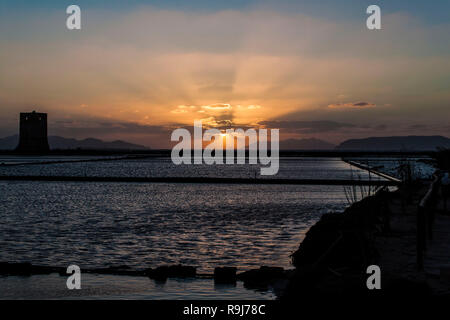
column 124, row 287
column 145, row 225
column 291, row 168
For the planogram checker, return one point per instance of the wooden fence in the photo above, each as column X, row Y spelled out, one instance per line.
column 425, row 219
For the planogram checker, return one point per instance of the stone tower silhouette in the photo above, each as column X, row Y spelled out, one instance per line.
column 33, row 132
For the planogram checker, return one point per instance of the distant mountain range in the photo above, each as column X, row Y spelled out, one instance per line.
column 55, row 142
column 399, row 143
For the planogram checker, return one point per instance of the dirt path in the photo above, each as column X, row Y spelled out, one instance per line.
column 397, row 249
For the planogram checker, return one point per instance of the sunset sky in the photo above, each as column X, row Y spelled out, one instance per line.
column 139, row 69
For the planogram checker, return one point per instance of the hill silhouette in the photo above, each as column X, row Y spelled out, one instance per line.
column 60, row 143
column 397, row 143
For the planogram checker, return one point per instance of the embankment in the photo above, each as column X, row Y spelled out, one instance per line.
column 334, row 256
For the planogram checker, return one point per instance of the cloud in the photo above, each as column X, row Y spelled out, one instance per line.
column 354, row 105
column 213, row 89
column 101, row 127
column 186, row 107
column 318, row 126
column 418, row 127
column 218, row 106
column 178, row 111
column 182, row 109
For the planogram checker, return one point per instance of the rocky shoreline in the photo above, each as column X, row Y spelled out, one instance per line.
column 334, row 256
column 257, row 279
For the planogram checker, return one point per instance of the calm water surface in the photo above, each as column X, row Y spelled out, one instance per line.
column 147, row 225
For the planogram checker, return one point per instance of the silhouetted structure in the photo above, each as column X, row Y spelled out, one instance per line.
column 33, row 132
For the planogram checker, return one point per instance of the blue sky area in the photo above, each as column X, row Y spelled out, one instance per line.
column 436, row 11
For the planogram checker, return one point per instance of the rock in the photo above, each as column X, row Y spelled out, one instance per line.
column 23, row 269
column 176, row 271
column 318, row 239
column 225, row 275
column 13, row 269
column 159, row 274
column 262, row 277
column 118, row 270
